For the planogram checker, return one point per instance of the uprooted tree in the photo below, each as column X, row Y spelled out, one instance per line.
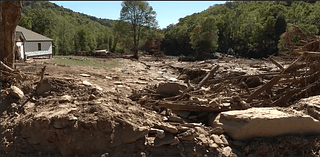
column 10, row 17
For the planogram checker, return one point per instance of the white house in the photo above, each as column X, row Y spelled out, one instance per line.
column 32, row 44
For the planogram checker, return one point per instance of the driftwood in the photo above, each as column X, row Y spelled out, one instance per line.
column 270, row 83
column 293, row 92
column 214, row 81
column 276, row 63
column 209, row 75
column 5, row 67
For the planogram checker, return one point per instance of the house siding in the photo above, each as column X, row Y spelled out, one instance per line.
column 31, row 48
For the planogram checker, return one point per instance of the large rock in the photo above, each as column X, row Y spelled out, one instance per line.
column 171, row 88
column 16, row 92
column 266, row 122
column 310, row 106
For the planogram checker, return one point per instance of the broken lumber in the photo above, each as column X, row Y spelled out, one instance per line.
column 276, row 63
column 209, row 75
column 315, row 54
column 214, row 81
column 293, row 92
column 272, row 82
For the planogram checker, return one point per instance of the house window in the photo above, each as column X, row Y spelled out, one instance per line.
column 39, row 46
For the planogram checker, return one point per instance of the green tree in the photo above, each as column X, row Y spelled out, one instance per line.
column 205, row 35
column 138, row 13
column 65, row 32
column 25, row 21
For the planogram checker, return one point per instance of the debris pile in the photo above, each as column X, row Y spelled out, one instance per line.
column 236, row 90
column 10, row 76
column 309, row 43
column 236, row 103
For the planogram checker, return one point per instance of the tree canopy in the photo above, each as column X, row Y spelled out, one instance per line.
column 138, row 14
column 244, row 28
column 249, row 29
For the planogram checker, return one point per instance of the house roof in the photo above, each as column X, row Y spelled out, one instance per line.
column 20, row 36
column 31, row 36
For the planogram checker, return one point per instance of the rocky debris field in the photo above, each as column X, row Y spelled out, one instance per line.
column 158, row 106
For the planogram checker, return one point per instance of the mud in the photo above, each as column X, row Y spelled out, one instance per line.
column 73, row 119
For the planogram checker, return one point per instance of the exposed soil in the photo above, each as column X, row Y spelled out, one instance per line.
column 74, row 119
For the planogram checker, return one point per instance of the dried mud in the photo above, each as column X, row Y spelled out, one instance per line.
column 73, row 119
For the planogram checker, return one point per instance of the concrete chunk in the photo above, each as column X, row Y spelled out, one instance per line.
column 266, row 122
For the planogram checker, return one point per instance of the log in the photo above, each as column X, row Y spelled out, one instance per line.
column 208, row 76
column 5, row 67
column 315, row 54
column 276, row 63
column 272, row 82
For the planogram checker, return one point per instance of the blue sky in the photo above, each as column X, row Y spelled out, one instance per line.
column 168, row 12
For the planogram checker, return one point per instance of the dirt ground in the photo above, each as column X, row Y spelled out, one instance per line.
column 75, row 118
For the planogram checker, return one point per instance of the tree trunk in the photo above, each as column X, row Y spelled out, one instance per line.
column 135, row 43
column 10, row 17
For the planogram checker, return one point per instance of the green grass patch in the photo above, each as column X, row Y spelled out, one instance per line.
column 85, row 61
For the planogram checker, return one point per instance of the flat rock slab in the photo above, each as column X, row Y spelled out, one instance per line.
column 266, row 122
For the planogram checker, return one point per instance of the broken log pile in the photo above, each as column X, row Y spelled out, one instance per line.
column 221, row 93
column 298, row 80
column 10, row 76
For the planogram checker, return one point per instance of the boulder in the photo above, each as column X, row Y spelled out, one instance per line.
column 266, row 122
column 171, row 88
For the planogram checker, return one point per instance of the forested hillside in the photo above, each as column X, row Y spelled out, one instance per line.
column 243, row 28
column 72, row 31
column 249, row 29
